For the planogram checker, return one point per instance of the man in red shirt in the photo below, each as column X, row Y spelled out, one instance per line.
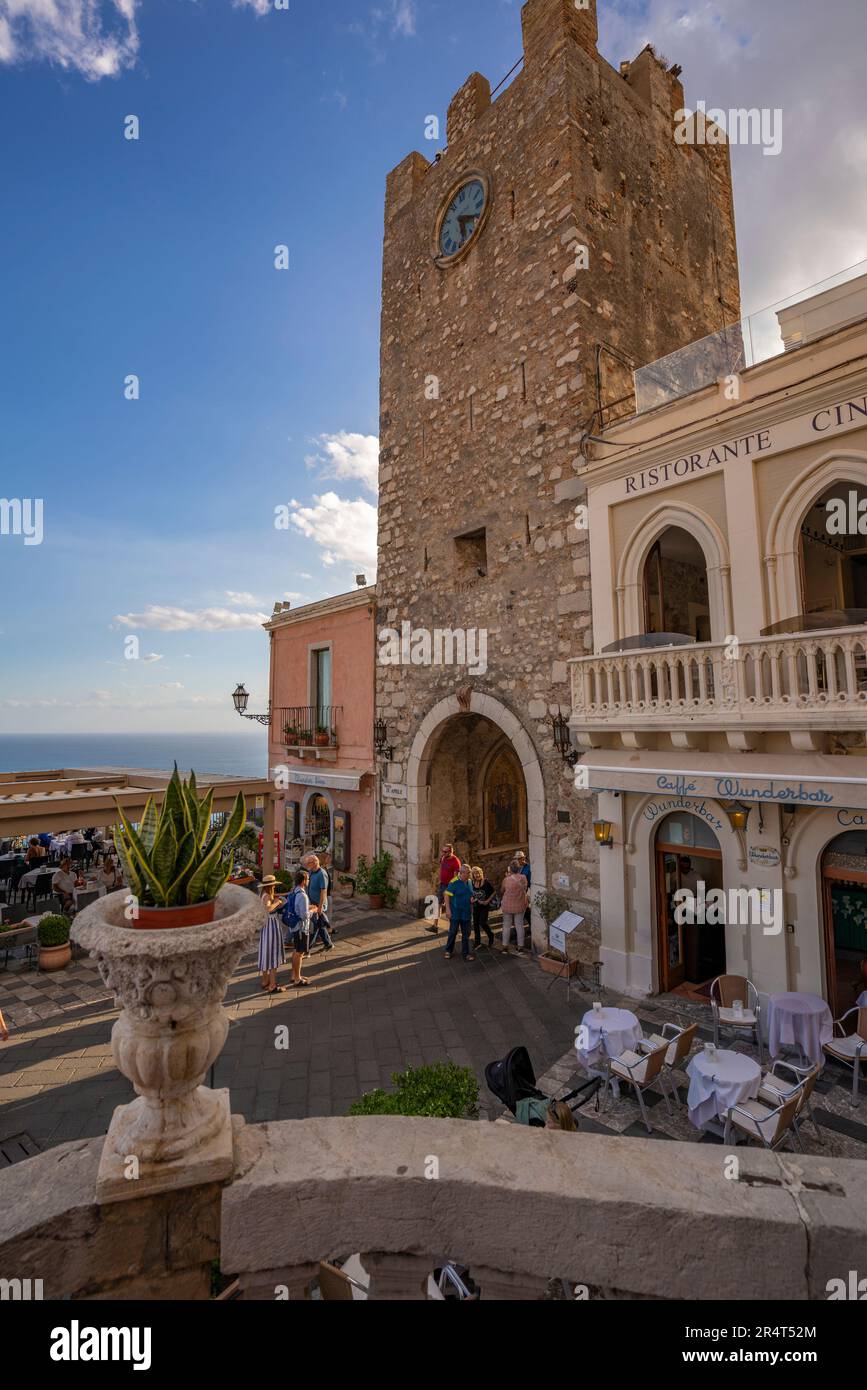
column 449, row 869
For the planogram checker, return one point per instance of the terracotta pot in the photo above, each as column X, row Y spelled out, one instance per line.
column 322, row 740
column 160, row 918
column 374, row 901
column 55, row 957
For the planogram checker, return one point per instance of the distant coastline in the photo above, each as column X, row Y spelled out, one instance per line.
column 244, row 754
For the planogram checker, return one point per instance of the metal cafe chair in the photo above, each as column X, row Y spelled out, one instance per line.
column 770, row 1125
column 640, row 1071
column 851, row 1050
column 775, row 1087
column 724, row 990
column 40, row 888
column 678, row 1044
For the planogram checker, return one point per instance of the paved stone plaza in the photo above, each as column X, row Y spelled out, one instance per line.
column 383, row 999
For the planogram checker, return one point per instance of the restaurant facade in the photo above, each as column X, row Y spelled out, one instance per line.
column 722, row 716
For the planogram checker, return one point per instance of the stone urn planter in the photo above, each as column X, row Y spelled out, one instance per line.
column 170, row 986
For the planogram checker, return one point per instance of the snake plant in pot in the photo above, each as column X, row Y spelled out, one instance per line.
column 175, row 862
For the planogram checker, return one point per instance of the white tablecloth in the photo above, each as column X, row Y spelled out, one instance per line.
column 27, row 880
column 799, row 1020
column 608, row 1033
column 717, row 1083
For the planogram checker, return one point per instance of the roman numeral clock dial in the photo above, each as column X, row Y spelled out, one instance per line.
column 462, row 219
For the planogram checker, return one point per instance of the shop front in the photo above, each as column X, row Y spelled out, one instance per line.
column 733, row 864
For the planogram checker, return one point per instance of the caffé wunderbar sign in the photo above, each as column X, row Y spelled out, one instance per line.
column 831, row 420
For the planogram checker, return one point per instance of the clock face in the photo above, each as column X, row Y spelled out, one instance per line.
column 462, row 217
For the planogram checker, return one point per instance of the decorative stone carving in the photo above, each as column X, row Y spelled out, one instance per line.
column 170, row 985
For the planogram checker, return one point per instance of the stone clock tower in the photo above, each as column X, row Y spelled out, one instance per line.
column 563, row 237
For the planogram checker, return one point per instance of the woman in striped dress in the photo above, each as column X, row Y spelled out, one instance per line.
column 271, row 950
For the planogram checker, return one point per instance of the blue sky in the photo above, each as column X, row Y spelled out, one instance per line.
column 259, row 387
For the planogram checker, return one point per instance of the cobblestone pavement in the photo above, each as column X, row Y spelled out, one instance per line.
column 383, row 999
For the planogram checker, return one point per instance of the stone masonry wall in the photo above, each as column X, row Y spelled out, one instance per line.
column 488, row 374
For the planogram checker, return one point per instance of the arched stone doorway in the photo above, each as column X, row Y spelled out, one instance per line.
column 474, row 779
column 676, row 597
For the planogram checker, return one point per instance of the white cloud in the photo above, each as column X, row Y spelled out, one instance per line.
column 86, row 36
column 242, row 600
column 186, row 620
column 348, row 456
column 345, row 531
column 260, row 7
column 404, row 18
column 152, row 656
column 171, row 685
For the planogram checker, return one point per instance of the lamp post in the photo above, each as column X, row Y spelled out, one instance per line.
column 240, row 698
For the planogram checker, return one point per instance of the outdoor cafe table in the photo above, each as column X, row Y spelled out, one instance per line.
column 609, row 1032
column 719, row 1082
column 27, row 880
column 802, row 1021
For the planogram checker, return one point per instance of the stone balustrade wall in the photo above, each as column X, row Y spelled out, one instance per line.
column 626, row 1218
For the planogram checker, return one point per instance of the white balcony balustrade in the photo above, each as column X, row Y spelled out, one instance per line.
column 815, row 681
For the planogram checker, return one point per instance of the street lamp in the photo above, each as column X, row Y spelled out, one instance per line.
column 563, row 738
column 602, row 831
column 380, row 739
column 240, row 699
column 739, row 814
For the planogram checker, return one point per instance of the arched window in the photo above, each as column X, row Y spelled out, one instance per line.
column 833, row 551
column 844, row 892
column 675, row 587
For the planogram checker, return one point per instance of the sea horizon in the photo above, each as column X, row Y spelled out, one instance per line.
column 242, row 754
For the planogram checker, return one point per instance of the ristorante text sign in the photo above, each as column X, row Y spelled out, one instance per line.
column 791, row 434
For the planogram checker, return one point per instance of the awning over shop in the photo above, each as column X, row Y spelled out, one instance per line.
column 349, row 781
column 769, row 778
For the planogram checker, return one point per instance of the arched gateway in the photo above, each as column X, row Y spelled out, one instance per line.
column 473, row 777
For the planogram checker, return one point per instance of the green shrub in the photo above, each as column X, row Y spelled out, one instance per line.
column 550, row 906
column 53, row 930
column 443, row 1090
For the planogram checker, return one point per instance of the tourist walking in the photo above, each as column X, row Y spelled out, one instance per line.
column 459, row 910
column 296, row 920
column 483, row 901
column 271, row 952
column 514, row 900
column 317, row 892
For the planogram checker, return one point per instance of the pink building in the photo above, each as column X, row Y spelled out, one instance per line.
column 322, row 713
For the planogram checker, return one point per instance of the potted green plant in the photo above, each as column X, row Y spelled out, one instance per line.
column 52, row 933
column 175, row 863
column 323, row 738
column 290, row 733
column 373, row 879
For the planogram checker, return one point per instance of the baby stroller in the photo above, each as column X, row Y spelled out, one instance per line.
column 513, row 1079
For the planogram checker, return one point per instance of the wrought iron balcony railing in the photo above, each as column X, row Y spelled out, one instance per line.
column 307, row 726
